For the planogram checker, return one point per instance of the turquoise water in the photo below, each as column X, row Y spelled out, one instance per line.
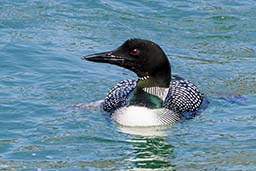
column 211, row 43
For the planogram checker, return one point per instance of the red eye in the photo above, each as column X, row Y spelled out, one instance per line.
column 134, row 52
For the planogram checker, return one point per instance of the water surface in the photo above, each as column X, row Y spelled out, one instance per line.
column 208, row 42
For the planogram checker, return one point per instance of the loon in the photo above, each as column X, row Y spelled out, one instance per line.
column 156, row 98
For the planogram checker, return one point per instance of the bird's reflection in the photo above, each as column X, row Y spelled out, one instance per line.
column 151, row 148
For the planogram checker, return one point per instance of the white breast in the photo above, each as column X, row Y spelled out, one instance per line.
column 142, row 116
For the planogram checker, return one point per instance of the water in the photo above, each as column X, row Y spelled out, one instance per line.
column 211, row 43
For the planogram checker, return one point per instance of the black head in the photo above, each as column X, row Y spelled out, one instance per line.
column 143, row 57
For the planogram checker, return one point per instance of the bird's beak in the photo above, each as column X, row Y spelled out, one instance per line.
column 105, row 57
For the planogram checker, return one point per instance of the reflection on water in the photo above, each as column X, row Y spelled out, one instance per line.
column 152, row 153
column 150, row 147
column 144, row 131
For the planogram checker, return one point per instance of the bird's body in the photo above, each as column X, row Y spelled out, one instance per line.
column 155, row 98
column 160, row 105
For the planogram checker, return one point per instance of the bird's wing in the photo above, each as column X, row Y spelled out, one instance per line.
column 183, row 96
column 119, row 95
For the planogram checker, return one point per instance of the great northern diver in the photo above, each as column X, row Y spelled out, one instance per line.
column 156, row 97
